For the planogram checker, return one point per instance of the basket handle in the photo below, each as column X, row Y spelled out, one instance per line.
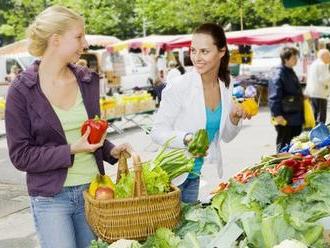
column 139, row 186
column 122, row 165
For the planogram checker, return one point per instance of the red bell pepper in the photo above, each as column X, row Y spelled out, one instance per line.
column 97, row 126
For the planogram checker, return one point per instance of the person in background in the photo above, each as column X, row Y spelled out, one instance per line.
column 175, row 69
column 14, row 71
column 200, row 99
column 45, row 108
column 285, row 99
column 318, row 85
column 161, row 67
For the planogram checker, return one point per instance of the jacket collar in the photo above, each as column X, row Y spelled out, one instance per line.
column 40, row 103
column 31, row 75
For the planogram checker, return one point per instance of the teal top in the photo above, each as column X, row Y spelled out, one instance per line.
column 213, row 118
column 84, row 167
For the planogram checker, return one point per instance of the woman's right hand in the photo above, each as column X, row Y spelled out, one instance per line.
column 82, row 145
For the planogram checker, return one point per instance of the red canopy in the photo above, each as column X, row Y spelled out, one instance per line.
column 262, row 36
column 151, row 41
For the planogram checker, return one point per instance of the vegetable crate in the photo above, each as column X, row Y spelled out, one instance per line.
column 133, row 218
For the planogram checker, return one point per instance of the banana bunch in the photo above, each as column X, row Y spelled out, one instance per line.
column 250, row 106
column 100, row 181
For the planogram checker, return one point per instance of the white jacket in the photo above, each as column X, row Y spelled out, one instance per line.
column 182, row 110
column 318, row 80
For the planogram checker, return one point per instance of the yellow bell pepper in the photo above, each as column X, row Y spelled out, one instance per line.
column 250, row 106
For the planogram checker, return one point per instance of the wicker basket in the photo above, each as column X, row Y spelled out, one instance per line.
column 136, row 217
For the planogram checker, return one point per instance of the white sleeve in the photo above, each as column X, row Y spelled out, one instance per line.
column 230, row 130
column 167, row 114
column 172, row 74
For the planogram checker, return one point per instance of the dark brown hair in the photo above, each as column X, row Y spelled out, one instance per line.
column 218, row 35
column 287, row 53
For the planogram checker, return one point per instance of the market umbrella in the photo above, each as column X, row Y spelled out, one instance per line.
column 261, row 36
column 151, row 41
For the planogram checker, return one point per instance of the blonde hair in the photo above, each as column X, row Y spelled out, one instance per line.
column 53, row 20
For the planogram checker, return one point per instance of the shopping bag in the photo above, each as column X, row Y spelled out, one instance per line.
column 308, row 114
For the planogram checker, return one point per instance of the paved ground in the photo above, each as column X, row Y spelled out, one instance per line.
column 257, row 138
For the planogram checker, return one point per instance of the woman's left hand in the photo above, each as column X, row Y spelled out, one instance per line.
column 115, row 152
column 237, row 113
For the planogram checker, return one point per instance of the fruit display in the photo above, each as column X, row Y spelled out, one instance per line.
column 126, row 104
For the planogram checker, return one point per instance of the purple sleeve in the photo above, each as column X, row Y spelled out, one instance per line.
column 24, row 155
column 107, row 147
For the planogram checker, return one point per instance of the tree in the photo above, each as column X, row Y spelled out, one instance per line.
column 127, row 18
column 16, row 15
column 114, row 17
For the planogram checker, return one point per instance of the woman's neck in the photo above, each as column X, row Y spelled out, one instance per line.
column 210, row 79
column 53, row 69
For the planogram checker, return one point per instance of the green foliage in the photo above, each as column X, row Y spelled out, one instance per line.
column 163, row 238
column 126, row 18
column 156, row 180
column 125, row 186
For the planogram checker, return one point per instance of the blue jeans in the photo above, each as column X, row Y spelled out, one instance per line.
column 189, row 190
column 60, row 220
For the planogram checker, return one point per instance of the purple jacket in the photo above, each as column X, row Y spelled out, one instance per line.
column 36, row 140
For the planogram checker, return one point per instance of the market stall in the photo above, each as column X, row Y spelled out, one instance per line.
column 282, row 201
column 129, row 108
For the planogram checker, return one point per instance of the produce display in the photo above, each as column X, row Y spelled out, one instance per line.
column 126, row 104
column 97, row 126
column 279, row 202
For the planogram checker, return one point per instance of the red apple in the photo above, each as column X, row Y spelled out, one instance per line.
column 104, row 193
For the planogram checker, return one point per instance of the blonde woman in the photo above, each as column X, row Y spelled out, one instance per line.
column 46, row 106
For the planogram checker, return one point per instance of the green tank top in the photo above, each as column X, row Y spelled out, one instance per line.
column 84, row 167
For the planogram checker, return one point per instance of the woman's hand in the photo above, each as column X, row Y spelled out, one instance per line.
column 115, row 152
column 280, row 120
column 82, row 145
column 237, row 113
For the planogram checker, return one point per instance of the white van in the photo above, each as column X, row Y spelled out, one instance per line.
column 22, row 60
column 131, row 68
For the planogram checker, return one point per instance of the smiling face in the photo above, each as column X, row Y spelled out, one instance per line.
column 71, row 44
column 204, row 54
